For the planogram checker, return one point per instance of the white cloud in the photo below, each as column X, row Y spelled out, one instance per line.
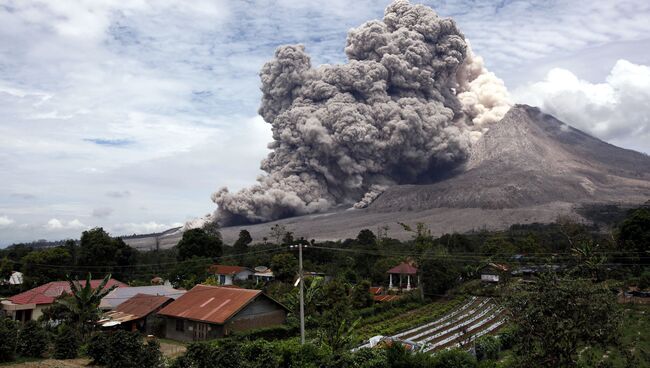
column 56, row 224
column 616, row 110
column 5, row 221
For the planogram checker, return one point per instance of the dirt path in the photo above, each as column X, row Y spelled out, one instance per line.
column 53, row 363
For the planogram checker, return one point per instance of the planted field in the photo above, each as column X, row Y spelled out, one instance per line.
column 460, row 326
column 398, row 319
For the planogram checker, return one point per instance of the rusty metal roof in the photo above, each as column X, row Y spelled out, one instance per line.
column 213, row 304
column 385, row 298
column 139, row 306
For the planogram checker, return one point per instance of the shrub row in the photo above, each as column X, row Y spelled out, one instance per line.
column 122, row 349
column 31, row 340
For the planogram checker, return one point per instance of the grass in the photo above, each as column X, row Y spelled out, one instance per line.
column 390, row 322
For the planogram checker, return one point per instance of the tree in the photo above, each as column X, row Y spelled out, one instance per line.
column 241, row 244
column 634, row 234
column 277, row 233
column 6, row 269
column 32, row 340
column 554, row 316
column 336, row 327
column 212, row 228
column 197, row 243
column 360, row 296
column 97, row 248
column 40, row 267
column 366, row 237
column 438, row 272
column 8, row 335
column 284, row 266
column 84, row 304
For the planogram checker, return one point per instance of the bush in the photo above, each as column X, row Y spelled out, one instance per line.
column 32, row 340
column 507, row 338
column 487, row 348
column 124, row 349
column 66, row 343
column 454, row 358
column 98, row 349
column 151, row 357
column 8, row 334
column 269, row 333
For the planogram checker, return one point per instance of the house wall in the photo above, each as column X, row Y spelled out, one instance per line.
column 190, row 330
column 244, row 275
column 260, row 313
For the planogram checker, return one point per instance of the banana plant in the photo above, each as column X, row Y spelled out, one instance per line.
column 84, row 301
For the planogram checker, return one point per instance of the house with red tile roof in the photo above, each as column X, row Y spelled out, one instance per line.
column 29, row 305
column 228, row 274
column 209, row 312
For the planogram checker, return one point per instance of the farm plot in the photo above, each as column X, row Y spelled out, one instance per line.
column 475, row 318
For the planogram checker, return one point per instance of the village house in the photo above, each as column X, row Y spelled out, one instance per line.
column 402, row 276
column 29, row 305
column 263, row 274
column 208, row 312
column 227, row 275
column 121, row 295
column 136, row 313
column 493, row 272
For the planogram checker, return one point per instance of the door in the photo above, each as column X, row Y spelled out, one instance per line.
column 201, row 331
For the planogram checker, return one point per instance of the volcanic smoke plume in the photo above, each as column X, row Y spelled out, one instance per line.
column 407, row 105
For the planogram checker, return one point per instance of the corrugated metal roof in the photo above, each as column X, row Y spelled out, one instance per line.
column 385, row 298
column 139, row 306
column 404, row 269
column 211, row 304
column 45, row 294
column 119, row 296
column 226, row 269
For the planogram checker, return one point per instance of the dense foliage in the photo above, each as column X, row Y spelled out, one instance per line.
column 8, row 335
column 289, row 353
column 66, row 343
column 555, row 316
column 122, row 349
column 32, row 340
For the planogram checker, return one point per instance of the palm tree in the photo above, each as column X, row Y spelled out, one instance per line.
column 84, row 303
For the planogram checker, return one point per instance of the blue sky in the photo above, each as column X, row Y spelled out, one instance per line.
column 129, row 114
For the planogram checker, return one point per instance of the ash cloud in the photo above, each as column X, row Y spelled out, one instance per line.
column 409, row 103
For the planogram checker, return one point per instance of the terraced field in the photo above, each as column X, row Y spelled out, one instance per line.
column 475, row 318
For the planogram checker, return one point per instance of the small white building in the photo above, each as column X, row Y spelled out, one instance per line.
column 228, row 274
column 16, row 278
column 493, row 272
column 263, row 274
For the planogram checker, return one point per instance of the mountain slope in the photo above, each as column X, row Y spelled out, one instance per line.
column 529, row 167
column 530, row 158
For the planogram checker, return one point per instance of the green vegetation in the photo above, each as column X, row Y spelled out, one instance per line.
column 565, row 317
column 32, row 340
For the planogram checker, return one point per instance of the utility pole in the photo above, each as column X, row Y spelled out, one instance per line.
column 302, row 296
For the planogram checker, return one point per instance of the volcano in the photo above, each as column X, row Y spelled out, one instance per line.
column 529, row 167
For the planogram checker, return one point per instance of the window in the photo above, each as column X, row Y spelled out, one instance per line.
column 222, row 279
column 180, row 325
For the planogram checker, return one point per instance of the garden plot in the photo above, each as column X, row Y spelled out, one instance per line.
column 477, row 317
